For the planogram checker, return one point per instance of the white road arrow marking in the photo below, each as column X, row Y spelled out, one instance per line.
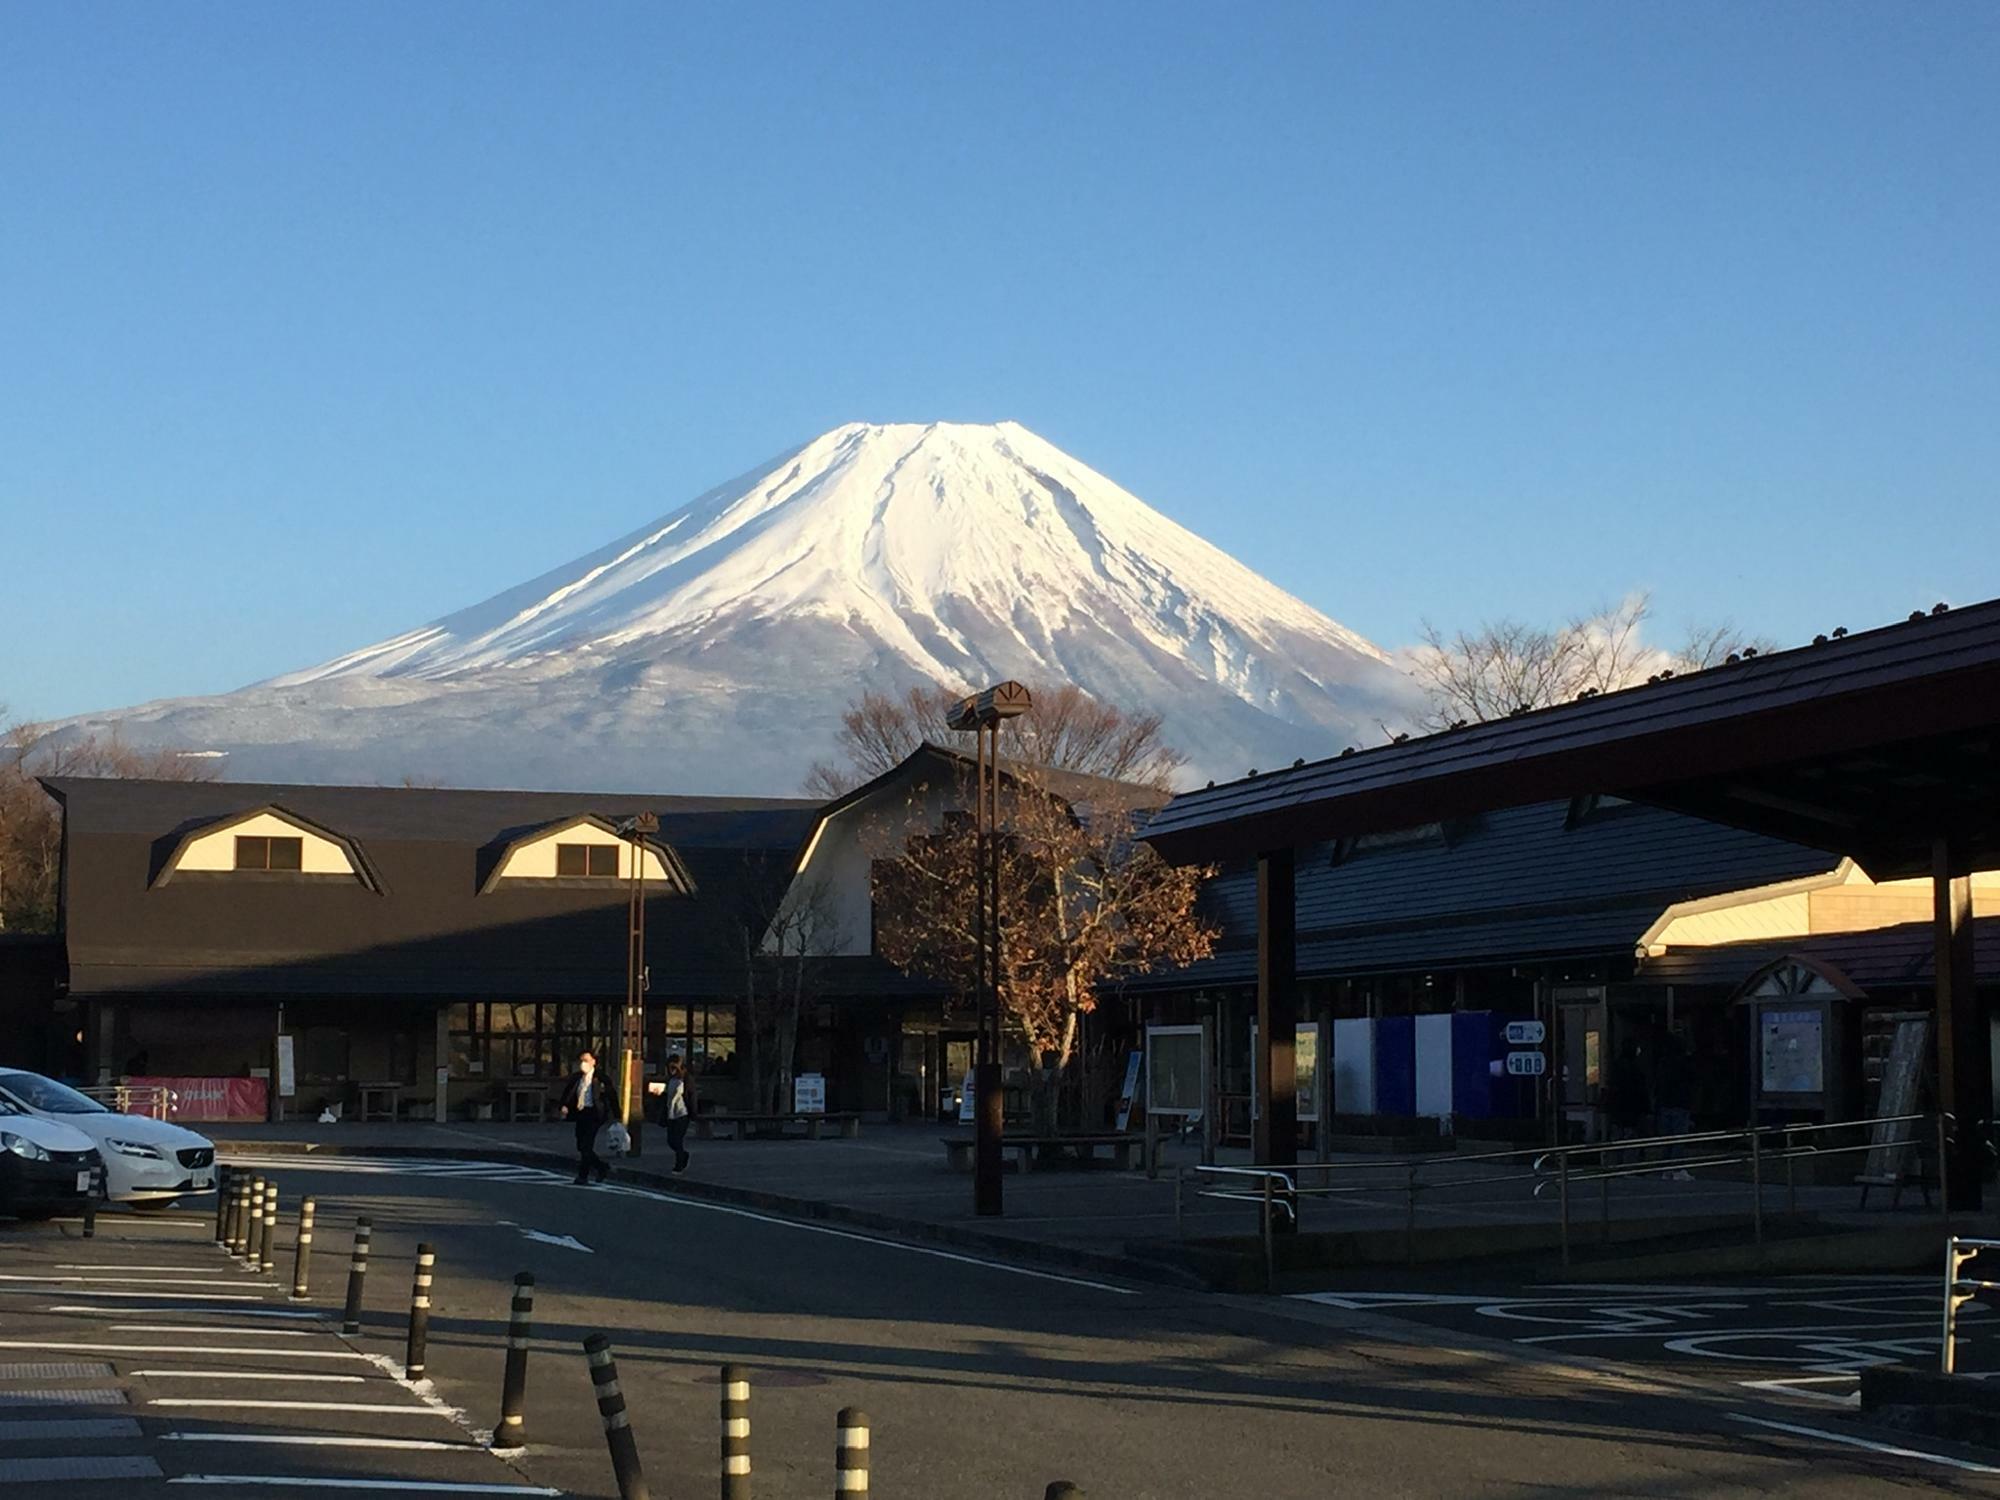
column 567, row 1241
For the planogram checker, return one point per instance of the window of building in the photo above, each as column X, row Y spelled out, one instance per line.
column 528, row 1038
column 703, row 1034
column 259, row 852
column 591, row 861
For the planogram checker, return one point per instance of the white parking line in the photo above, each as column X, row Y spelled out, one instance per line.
column 317, row 1440
column 1790, row 1385
column 207, row 1329
column 132, row 1281
column 1852, row 1441
column 402, row 1408
column 139, row 1312
column 77, row 1291
column 405, row 1486
column 177, row 1349
column 95, row 1266
column 284, row 1377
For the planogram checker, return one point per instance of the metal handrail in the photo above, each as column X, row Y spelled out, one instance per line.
column 153, row 1099
column 1281, row 1185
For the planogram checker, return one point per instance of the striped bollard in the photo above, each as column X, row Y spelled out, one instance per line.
column 223, row 1192
column 302, row 1256
column 420, row 1314
column 850, row 1456
column 512, row 1430
column 253, row 1241
column 357, row 1272
column 90, row 1205
column 735, row 1433
column 617, row 1424
column 267, row 1252
column 239, row 1215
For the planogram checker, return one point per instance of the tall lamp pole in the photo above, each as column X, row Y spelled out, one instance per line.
column 982, row 715
column 632, row 1025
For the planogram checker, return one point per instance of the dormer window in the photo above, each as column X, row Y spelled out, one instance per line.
column 260, row 852
column 587, row 861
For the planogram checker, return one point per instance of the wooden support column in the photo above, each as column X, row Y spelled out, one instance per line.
column 1965, row 1063
column 1277, row 1133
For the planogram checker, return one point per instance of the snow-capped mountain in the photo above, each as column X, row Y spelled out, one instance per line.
column 713, row 650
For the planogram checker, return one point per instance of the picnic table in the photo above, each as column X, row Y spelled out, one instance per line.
column 741, row 1126
column 1128, row 1151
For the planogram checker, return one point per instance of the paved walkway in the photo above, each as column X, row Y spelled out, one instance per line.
column 897, row 1175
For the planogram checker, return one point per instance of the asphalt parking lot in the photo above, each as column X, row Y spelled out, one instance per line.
column 144, row 1358
column 1806, row 1338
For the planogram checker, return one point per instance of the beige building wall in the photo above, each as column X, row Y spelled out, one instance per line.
column 217, row 851
column 1846, row 901
column 840, row 859
column 536, row 860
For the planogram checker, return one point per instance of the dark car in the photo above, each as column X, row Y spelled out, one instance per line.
column 45, row 1165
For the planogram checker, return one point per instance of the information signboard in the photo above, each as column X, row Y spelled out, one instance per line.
column 809, row 1094
column 1526, row 1033
column 1175, row 1076
column 1526, row 1064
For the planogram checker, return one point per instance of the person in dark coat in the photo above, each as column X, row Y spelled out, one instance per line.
column 588, row 1101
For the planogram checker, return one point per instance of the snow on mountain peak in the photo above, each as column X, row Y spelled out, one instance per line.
column 714, row 649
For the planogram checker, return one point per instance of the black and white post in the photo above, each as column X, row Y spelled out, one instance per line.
column 267, row 1256
column 302, row 1256
column 222, row 1195
column 253, row 1241
column 512, row 1431
column 617, row 1423
column 239, row 1215
column 735, row 1433
column 850, row 1454
column 357, row 1273
column 420, row 1314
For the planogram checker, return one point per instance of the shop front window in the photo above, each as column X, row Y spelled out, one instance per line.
column 703, row 1034
column 526, row 1038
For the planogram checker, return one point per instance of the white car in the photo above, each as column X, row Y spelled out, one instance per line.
column 44, row 1166
column 145, row 1160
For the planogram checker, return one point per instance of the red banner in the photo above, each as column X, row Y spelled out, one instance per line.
column 205, row 1099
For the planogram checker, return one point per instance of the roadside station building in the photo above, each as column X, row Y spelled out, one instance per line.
column 407, row 939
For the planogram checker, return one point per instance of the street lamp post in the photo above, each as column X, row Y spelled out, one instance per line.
column 632, row 1025
column 982, row 715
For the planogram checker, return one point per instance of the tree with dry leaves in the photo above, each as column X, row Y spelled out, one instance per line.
column 31, row 822
column 1066, row 730
column 1084, row 905
column 1504, row 666
column 788, row 933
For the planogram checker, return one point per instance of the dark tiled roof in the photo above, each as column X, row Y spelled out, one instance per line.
column 1510, row 886
column 428, row 931
column 1897, row 957
column 1855, row 739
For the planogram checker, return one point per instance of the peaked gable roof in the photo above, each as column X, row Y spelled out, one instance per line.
column 189, row 833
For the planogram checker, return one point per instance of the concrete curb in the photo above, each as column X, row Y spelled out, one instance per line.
column 1032, row 1253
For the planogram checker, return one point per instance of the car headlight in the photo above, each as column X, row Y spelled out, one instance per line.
column 20, row 1145
column 136, row 1148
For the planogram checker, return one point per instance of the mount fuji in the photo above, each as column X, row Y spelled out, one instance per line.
column 714, row 650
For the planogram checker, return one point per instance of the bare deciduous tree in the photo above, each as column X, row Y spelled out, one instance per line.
column 1084, row 904
column 1066, row 730
column 787, row 934
column 31, row 823
column 1505, row 666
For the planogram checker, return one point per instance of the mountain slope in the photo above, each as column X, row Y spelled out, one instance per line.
column 714, row 649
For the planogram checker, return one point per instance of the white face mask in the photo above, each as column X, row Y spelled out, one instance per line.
column 588, row 1069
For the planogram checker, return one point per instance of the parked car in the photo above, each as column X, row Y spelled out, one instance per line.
column 45, row 1165
column 145, row 1161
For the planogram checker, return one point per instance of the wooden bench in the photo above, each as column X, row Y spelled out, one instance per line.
column 743, row 1126
column 1128, row 1151
column 523, row 1097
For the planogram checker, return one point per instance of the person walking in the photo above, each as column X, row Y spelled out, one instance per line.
column 587, row 1101
column 675, row 1108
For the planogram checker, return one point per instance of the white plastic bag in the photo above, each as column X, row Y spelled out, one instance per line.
column 612, row 1140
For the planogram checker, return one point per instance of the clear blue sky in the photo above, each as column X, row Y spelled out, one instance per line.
column 320, row 320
